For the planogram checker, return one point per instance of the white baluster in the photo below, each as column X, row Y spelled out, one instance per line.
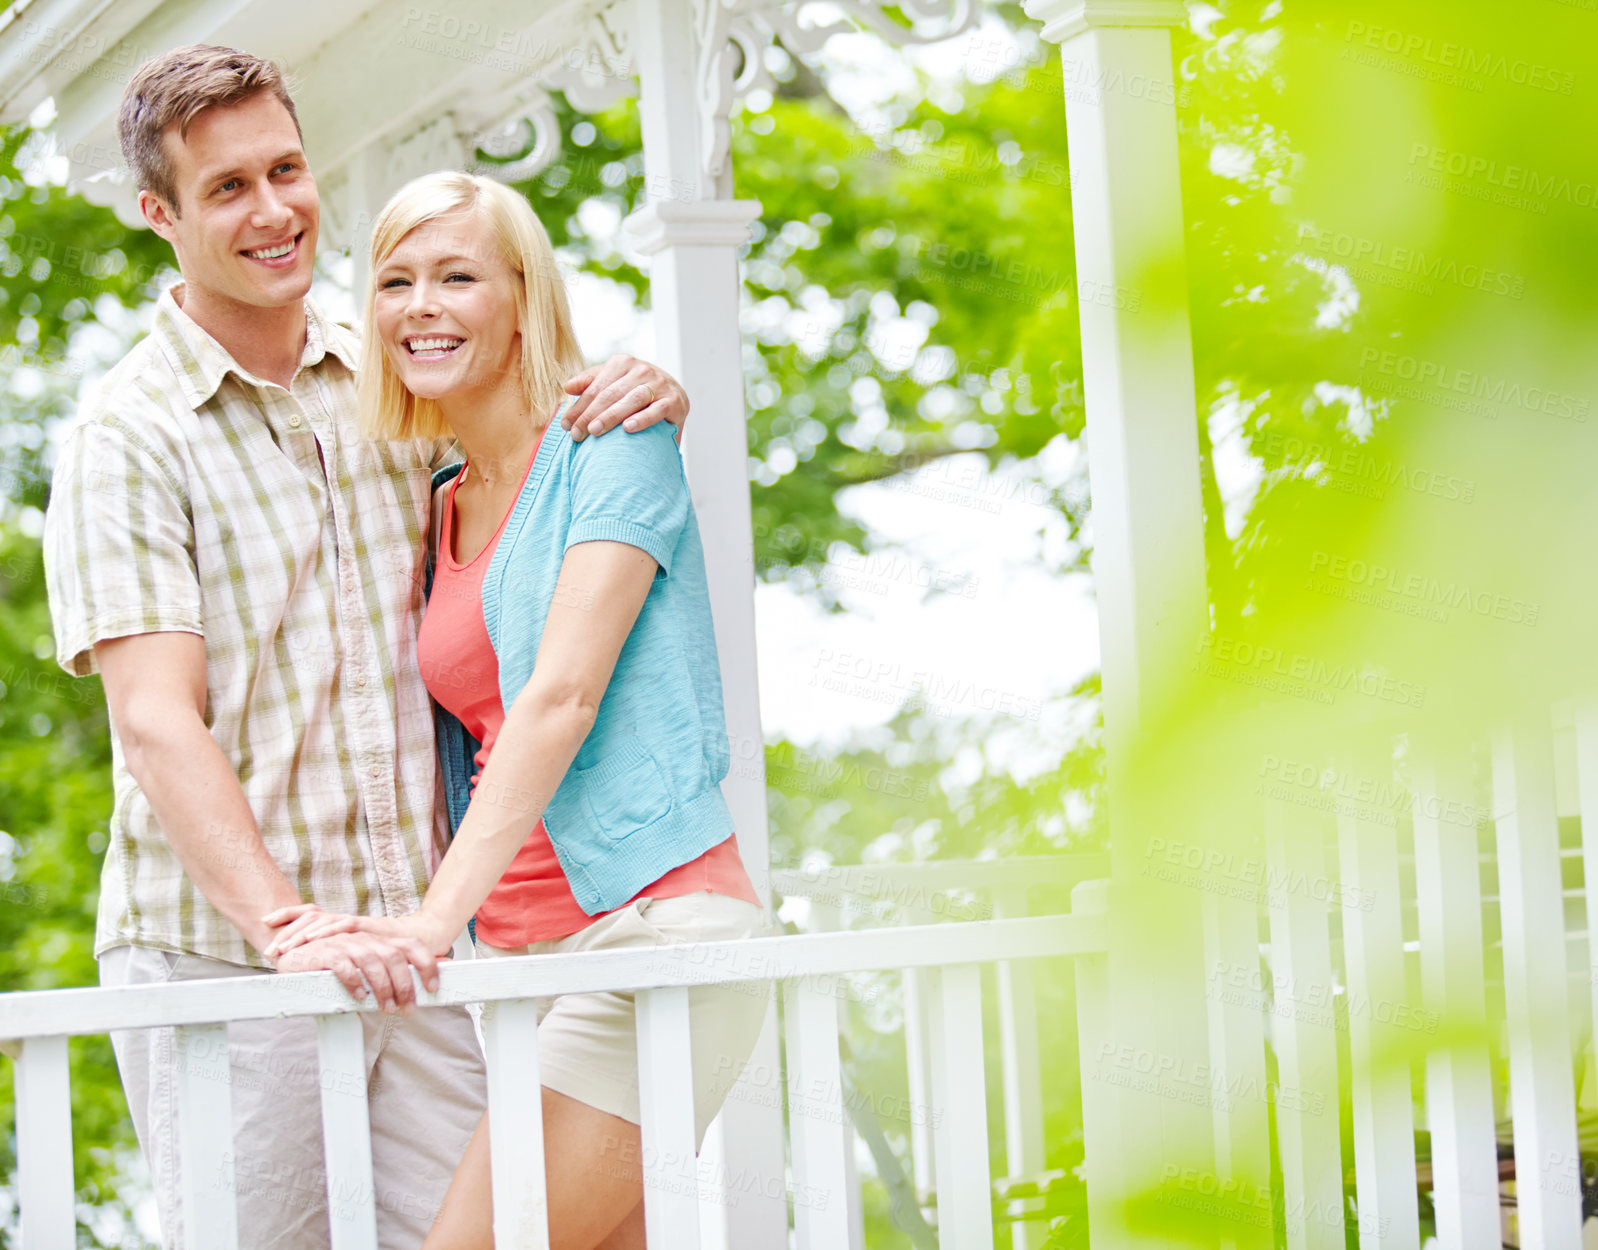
column 1024, row 1153
column 347, row 1132
column 918, row 1067
column 965, row 1186
column 1238, row 1080
column 516, row 1123
column 44, row 1144
column 1381, row 1025
column 826, row 916
column 1102, row 1140
column 1586, row 719
column 1459, row 1091
column 1536, row 999
column 205, row 1136
column 666, row 1103
column 815, row 1106
column 1303, row 1029
column 918, row 1073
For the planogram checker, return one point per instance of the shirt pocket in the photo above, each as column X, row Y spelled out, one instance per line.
column 625, row 791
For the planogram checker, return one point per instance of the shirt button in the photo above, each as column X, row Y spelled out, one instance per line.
column 377, row 770
column 361, row 680
column 294, row 420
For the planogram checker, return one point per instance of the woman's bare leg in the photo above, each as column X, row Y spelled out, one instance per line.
column 629, row 1234
column 592, row 1178
column 466, row 1216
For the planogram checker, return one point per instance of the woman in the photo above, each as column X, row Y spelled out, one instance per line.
column 567, row 643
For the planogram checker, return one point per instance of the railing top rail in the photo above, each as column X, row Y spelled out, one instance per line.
column 47, row 1013
column 889, row 882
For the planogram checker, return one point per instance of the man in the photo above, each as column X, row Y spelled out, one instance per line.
column 244, row 572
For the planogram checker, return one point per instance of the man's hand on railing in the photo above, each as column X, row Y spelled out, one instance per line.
column 395, row 940
column 360, row 960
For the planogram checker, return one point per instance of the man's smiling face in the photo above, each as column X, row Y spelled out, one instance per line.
column 246, row 220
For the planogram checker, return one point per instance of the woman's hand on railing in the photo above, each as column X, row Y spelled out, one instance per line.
column 360, row 960
column 306, row 922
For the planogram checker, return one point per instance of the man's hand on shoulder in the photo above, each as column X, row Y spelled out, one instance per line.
column 626, row 391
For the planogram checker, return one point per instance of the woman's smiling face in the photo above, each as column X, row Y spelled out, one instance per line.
column 446, row 309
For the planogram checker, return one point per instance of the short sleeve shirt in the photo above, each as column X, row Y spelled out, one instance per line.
column 193, row 496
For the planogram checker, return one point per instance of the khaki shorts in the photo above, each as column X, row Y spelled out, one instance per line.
column 588, row 1043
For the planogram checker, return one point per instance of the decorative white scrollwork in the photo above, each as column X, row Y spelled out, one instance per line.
column 597, row 68
column 530, row 134
column 593, row 71
column 732, row 36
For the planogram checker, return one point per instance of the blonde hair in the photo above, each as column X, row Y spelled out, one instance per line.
column 550, row 353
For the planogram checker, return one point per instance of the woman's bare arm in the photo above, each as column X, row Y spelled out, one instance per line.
column 601, row 590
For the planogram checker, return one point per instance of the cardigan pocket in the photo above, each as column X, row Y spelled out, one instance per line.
column 623, row 792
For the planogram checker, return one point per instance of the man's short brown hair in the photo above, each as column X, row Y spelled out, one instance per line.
column 174, row 89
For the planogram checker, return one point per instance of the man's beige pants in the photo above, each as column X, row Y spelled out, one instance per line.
column 425, row 1088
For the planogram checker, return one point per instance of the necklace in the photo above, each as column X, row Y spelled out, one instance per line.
column 474, row 472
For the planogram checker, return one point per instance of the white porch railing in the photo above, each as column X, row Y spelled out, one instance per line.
column 1429, row 1027
column 954, row 891
column 36, row 1025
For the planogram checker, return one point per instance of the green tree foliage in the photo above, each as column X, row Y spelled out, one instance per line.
column 62, row 259
column 911, row 298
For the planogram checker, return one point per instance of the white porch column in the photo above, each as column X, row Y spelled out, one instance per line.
column 693, row 235
column 1149, row 572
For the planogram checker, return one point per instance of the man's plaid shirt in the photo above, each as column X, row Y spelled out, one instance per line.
column 192, row 496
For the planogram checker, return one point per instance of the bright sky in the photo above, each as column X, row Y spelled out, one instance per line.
column 1001, row 633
